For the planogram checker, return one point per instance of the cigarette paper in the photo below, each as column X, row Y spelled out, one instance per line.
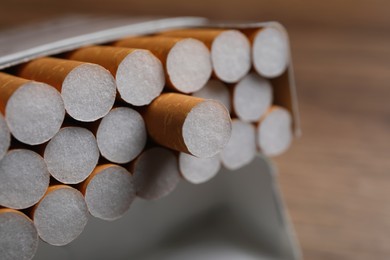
column 270, row 52
column 109, row 192
column 88, row 90
column 138, row 73
column 217, row 90
column 241, row 149
column 230, row 51
column 187, row 61
column 252, row 96
column 34, row 111
column 274, row 131
column 121, row 135
column 61, row 215
column 5, row 137
column 71, row 155
column 198, row 170
column 188, row 124
column 155, row 173
column 24, row 179
column 18, row 236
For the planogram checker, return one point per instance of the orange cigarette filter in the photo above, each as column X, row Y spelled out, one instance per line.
column 34, row 111
column 108, row 191
column 165, row 118
column 61, row 215
column 108, row 57
column 188, row 124
column 156, row 173
column 8, row 85
column 18, row 235
column 251, row 97
column 270, row 50
column 52, row 71
column 274, row 131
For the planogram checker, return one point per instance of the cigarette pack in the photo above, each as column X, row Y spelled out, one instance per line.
column 237, row 215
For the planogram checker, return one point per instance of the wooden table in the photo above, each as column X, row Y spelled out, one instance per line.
column 336, row 179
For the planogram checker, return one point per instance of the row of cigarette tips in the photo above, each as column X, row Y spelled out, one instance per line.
column 61, row 116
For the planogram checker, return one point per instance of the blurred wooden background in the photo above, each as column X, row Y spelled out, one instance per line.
column 336, row 178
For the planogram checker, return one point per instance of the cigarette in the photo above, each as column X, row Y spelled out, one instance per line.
column 217, row 90
column 138, row 73
column 274, row 131
column 61, row 215
column 33, row 111
column 109, row 192
column 71, row 155
column 155, row 173
column 121, row 135
column 230, row 51
column 188, row 124
column 24, row 179
column 18, row 235
column 88, row 90
column 187, row 61
column 270, row 53
column 252, row 96
column 241, row 149
column 5, row 137
column 198, row 170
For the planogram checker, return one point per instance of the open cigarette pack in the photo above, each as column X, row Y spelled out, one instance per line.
column 145, row 138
